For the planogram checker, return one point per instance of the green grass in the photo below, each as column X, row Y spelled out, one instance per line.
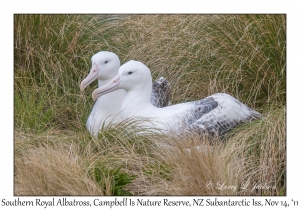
column 243, row 55
column 112, row 181
column 51, row 55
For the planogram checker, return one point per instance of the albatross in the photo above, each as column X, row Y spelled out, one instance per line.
column 105, row 66
column 213, row 115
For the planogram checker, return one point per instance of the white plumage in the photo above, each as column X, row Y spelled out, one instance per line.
column 216, row 114
column 105, row 66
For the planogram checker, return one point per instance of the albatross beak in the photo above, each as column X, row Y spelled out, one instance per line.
column 109, row 87
column 90, row 78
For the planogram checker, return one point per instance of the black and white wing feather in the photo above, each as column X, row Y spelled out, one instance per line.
column 161, row 93
column 220, row 117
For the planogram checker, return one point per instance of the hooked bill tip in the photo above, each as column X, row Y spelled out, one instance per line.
column 82, row 86
column 94, row 97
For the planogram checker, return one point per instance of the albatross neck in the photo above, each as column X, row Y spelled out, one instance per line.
column 139, row 96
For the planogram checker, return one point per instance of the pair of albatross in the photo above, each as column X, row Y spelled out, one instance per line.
column 214, row 115
column 105, row 66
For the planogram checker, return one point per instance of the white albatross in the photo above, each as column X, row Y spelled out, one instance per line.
column 105, row 66
column 215, row 115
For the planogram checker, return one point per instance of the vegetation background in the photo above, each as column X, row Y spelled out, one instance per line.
column 243, row 55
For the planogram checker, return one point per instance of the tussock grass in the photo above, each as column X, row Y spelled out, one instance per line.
column 253, row 157
column 53, row 171
column 61, row 159
column 243, row 55
column 263, row 148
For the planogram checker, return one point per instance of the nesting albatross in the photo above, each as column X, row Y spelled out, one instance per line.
column 216, row 114
column 105, row 66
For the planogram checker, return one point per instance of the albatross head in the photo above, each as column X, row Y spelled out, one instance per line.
column 105, row 65
column 132, row 76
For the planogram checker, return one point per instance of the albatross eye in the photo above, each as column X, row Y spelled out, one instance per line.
column 106, row 62
column 130, row 72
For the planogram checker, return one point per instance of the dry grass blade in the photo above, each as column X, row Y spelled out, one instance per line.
column 53, row 171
